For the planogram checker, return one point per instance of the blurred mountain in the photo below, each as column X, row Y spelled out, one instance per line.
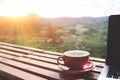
column 91, row 21
column 32, row 24
column 37, row 21
column 27, row 25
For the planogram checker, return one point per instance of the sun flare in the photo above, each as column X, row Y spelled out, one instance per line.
column 14, row 9
column 59, row 8
column 14, row 14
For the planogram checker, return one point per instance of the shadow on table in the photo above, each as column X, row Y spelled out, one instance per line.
column 83, row 76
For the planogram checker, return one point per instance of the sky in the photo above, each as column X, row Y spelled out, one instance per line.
column 60, row 8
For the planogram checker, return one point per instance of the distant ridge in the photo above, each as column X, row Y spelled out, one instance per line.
column 64, row 21
column 80, row 20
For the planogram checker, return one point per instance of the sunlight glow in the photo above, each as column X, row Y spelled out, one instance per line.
column 59, row 8
column 14, row 8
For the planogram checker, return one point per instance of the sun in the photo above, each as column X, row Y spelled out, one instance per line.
column 14, row 9
column 14, row 13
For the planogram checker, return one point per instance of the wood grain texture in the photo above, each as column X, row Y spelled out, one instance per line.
column 24, row 63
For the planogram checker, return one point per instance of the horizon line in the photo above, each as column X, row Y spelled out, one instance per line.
column 52, row 17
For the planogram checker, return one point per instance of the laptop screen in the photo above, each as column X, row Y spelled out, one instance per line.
column 113, row 41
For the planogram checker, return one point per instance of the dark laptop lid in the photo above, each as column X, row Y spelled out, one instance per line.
column 113, row 41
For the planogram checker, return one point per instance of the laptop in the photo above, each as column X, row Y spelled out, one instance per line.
column 111, row 70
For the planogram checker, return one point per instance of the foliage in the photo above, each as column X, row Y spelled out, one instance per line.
column 36, row 32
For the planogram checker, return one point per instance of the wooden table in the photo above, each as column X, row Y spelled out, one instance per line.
column 24, row 63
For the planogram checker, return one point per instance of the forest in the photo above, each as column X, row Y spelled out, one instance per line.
column 56, row 34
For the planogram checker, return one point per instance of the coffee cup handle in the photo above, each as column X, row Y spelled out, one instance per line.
column 58, row 60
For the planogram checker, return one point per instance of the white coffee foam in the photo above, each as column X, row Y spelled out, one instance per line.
column 76, row 53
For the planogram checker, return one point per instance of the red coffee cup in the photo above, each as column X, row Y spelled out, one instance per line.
column 74, row 59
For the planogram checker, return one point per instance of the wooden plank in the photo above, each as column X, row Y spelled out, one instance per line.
column 11, row 53
column 38, row 63
column 98, row 64
column 38, row 58
column 41, row 54
column 97, row 70
column 31, row 69
column 44, row 51
column 29, row 48
column 27, row 52
column 33, row 58
column 32, row 62
column 19, row 73
column 97, row 59
column 7, row 76
column 27, row 76
column 53, row 67
column 53, row 61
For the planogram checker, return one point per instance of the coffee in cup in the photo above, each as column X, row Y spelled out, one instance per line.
column 74, row 59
